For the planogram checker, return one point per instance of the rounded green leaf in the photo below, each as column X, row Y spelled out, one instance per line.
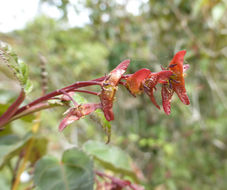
column 74, row 172
column 110, row 157
column 10, row 146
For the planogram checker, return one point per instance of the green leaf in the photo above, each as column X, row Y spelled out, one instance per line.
column 74, row 172
column 100, row 118
column 10, row 146
column 79, row 99
column 100, row 115
column 28, row 87
column 7, row 130
column 18, row 68
column 3, row 182
column 39, row 148
column 110, row 157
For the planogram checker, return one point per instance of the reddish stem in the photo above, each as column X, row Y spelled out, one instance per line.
column 33, row 109
column 121, row 183
column 12, row 109
column 126, row 76
column 87, row 91
column 58, row 92
column 99, row 79
column 68, row 95
column 13, row 112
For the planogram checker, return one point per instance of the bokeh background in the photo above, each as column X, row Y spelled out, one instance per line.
column 82, row 40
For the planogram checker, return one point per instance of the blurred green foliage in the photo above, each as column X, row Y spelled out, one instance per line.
column 186, row 150
column 74, row 172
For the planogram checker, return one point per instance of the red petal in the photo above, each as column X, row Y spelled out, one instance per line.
column 179, row 57
column 108, row 113
column 151, row 81
column 107, row 98
column 89, row 108
column 116, row 74
column 134, row 82
column 76, row 113
column 109, row 88
column 177, row 60
column 122, row 66
column 159, row 77
column 181, row 92
column 167, row 94
column 152, row 98
column 164, row 75
column 67, row 120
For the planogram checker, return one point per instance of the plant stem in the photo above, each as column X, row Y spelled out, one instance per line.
column 33, row 109
column 87, row 91
column 14, row 113
column 44, row 105
column 12, row 109
column 56, row 93
column 17, row 166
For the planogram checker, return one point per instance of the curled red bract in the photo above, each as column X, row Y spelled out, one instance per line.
column 152, row 80
column 75, row 113
column 134, row 82
column 109, row 88
column 167, row 94
column 176, row 82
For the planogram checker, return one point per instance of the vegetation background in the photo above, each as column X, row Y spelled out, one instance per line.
column 186, row 150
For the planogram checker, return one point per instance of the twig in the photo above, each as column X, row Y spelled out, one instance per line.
column 17, row 166
column 56, row 93
column 12, row 109
column 33, row 109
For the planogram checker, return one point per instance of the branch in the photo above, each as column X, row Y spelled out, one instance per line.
column 56, row 93
column 12, row 109
column 33, row 109
column 14, row 113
